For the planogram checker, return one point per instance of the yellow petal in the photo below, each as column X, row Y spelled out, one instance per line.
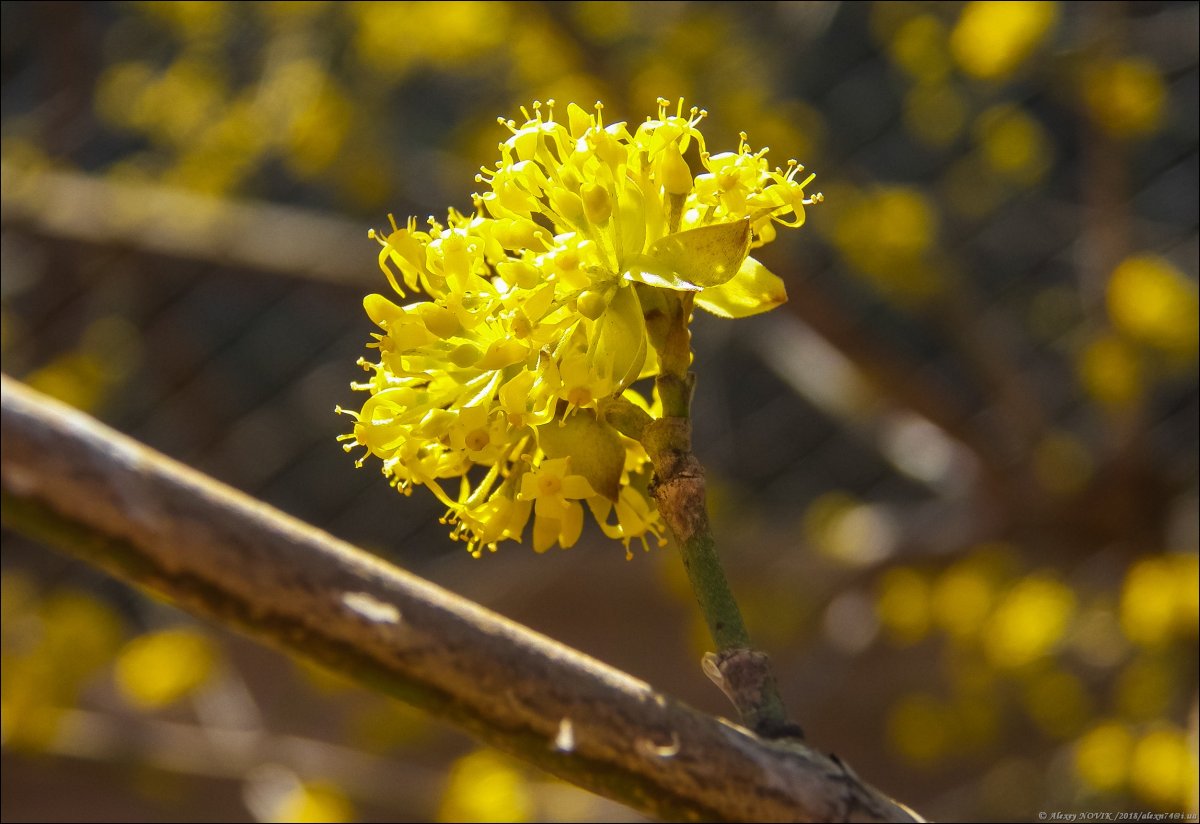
column 381, row 310
column 753, row 290
column 473, row 417
column 579, row 120
column 572, row 526
column 621, row 339
column 549, row 506
column 503, row 353
column 545, row 533
column 464, row 355
column 439, row 320
column 631, row 235
column 528, row 487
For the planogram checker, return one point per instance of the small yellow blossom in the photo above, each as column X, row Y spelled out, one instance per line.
column 535, row 313
column 556, row 497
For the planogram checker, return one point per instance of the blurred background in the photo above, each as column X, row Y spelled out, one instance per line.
column 954, row 479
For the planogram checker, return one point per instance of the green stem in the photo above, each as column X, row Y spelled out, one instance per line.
column 679, row 490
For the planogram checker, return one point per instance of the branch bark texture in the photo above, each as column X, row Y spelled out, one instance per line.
column 77, row 485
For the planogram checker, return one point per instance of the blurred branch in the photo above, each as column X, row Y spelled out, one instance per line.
column 234, row 754
column 75, row 484
column 898, row 379
column 992, row 356
column 176, row 222
column 1105, row 234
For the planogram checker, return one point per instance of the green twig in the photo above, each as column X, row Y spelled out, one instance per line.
column 742, row 672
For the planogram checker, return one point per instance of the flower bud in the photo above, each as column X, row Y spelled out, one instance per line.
column 597, row 205
column 568, row 204
column 591, row 304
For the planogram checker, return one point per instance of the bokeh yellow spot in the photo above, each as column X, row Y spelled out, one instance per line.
column 1110, row 372
column 903, row 605
column 991, row 38
column 318, row 130
column 605, row 21
column 919, row 728
column 935, row 113
column 287, row 13
column 117, row 90
column 1187, row 593
column 1013, row 144
column 51, row 647
column 848, row 531
column 1058, row 702
column 962, row 600
column 1102, row 757
column 1159, row 598
column 1029, row 622
column 888, row 235
column 159, row 668
column 1127, row 97
column 486, row 786
column 1163, row 768
column 1154, row 303
column 451, row 34
column 191, row 19
column 919, row 46
column 315, row 802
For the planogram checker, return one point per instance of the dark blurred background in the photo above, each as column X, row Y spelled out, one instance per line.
column 954, row 478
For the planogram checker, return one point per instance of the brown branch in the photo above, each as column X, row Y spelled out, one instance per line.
column 75, row 484
column 154, row 218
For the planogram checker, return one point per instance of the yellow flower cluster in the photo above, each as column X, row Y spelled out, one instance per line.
column 537, row 315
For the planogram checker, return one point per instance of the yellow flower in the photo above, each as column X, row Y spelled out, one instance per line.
column 536, row 312
column 474, row 435
column 556, row 496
